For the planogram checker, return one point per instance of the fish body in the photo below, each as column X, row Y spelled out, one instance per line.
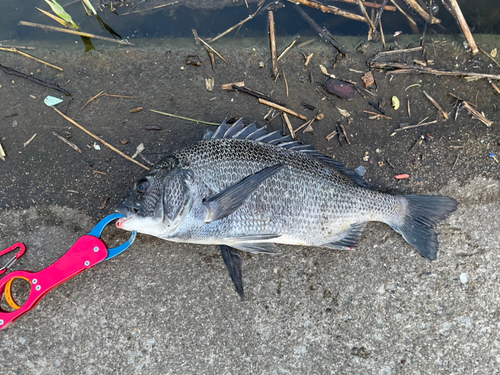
column 245, row 188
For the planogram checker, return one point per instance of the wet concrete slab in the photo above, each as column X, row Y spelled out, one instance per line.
column 171, row 308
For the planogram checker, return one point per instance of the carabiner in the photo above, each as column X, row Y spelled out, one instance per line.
column 18, row 255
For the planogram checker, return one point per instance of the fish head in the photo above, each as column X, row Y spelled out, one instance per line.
column 145, row 207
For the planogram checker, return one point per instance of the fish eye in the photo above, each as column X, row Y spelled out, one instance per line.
column 142, row 186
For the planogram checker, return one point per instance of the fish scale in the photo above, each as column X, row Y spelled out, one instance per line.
column 231, row 189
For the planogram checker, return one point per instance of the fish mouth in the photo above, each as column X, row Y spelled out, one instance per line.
column 125, row 211
column 120, row 222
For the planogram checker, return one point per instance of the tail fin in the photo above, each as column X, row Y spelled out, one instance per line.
column 423, row 212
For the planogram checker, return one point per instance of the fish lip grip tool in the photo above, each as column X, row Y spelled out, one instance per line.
column 87, row 251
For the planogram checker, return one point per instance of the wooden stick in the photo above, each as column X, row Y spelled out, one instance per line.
column 286, row 82
column 289, row 125
column 288, row 48
column 463, row 25
column 281, row 108
column 491, row 57
column 17, row 47
column 495, row 87
column 403, row 12
column 377, row 114
column 440, row 110
column 365, row 13
column 214, row 51
column 99, row 139
column 417, row 8
column 392, row 52
column 382, row 33
column 29, row 140
column 370, row 5
column 74, row 32
column 92, row 99
column 272, row 44
column 70, row 144
column 379, row 13
column 474, row 112
column 307, row 123
column 416, row 126
column 239, row 24
column 31, row 57
column 329, row 9
column 323, row 32
column 404, row 68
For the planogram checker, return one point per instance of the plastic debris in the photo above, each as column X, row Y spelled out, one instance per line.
column 51, row 101
column 402, row 176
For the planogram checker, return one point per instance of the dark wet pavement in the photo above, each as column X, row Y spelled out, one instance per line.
column 170, row 308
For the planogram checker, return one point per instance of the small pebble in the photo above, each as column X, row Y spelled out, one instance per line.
column 360, row 170
column 464, row 278
column 14, row 123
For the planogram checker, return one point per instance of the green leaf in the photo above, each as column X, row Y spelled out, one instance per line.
column 59, row 10
column 89, row 5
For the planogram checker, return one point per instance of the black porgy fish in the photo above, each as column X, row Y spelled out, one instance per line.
column 245, row 188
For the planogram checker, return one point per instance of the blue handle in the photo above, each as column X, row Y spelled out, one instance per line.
column 97, row 231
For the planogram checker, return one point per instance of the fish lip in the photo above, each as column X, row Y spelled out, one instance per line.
column 122, row 221
column 125, row 211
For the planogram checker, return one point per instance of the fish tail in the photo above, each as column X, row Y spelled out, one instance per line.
column 422, row 213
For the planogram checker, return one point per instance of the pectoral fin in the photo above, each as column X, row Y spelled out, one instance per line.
column 233, row 263
column 230, row 199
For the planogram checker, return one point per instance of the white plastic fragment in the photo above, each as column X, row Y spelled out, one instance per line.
column 464, row 278
column 52, row 100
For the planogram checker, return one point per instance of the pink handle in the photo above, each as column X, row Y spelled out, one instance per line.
column 84, row 254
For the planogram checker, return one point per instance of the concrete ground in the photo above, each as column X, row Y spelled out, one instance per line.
column 165, row 308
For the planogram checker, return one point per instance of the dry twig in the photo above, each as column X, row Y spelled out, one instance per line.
column 282, row 108
column 99, row 139
column 440, row 110
column 463, row 25
column 272, row 44
column 31, row 57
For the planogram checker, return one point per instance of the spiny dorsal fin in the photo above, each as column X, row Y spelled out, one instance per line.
column 250, row 132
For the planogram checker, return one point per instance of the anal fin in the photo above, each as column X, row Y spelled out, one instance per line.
column 256, row 244
column 349, row 239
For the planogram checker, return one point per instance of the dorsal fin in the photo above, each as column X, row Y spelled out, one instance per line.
column 250, row 132
column 235, row 128
column 221, row 130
